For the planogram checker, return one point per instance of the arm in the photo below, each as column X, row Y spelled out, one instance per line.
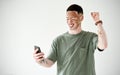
column 39, row 58
column 46, row 62
column 102, row 39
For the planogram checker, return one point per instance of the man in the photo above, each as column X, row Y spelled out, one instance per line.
column 74, row 50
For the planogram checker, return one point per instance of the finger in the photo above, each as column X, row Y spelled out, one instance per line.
column 96, row 13
column 35, row 51
column 91, row 13
column 41, row 53
column 38, row 54
column 39, row 57
column 38, row 60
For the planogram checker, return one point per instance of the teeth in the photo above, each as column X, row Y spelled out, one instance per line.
column 71, row 25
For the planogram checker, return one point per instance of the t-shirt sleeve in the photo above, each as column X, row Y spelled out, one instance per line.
column 53, row 51
column 94, row 40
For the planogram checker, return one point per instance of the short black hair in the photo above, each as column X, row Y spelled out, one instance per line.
column 75, row 7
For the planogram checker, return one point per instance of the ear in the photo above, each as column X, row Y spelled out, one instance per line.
column 81, row 17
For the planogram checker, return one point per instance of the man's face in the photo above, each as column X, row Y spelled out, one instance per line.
column 73, row 19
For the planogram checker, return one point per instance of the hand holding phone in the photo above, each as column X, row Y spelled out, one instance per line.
column 37, row 47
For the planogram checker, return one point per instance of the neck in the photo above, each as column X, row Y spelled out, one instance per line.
column 76, row 31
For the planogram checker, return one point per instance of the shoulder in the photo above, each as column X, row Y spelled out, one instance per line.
column 60, row 37
column 88, row 33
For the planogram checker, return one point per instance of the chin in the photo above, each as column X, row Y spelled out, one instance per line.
column 71, row 28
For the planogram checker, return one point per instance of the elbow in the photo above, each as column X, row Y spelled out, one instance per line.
column 47, row 63
column 48, row 66
column 105, row 46
column 102, row 46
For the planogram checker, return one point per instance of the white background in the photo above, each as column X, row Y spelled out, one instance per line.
column 25, row 23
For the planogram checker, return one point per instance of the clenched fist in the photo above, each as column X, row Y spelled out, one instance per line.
column 95, row 16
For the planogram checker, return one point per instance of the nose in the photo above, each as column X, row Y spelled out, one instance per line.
column 69, row 21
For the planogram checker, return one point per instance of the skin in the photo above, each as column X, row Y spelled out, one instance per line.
column 74, row 21
column 102, row 39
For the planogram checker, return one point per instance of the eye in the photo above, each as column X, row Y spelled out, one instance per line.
column 74, row 18
column 67, row 19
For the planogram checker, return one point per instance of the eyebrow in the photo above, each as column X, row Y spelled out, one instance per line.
column 71, row 17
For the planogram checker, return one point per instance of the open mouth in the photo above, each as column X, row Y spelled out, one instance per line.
column 71, row 25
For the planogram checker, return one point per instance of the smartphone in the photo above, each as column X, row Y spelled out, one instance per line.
column 37, row 47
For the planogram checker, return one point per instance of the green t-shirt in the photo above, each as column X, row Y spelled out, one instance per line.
column 74, row 53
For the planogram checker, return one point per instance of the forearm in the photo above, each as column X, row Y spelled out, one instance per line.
column 46, row 62
column 102, row 39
